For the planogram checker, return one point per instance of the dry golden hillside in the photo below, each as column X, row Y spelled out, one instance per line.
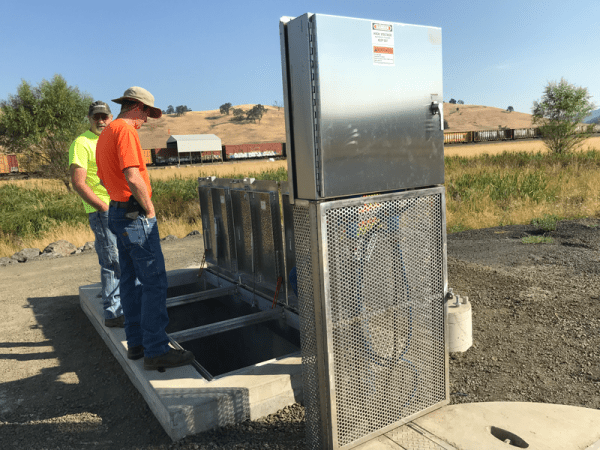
column 271, row 128
column 475, row 118
column 155, row 133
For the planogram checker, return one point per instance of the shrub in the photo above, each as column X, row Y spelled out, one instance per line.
column 559, row 113
column 26, row 212
column 546, row 223
column 537, row 240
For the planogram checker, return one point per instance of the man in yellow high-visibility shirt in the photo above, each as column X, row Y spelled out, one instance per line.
column 82, row 166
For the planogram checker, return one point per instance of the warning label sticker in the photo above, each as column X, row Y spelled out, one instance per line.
column 382, row 39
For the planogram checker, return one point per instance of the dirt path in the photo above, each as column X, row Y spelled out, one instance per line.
column 58, row 379
column 536, row 317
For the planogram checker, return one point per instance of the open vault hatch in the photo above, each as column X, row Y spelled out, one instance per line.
column 244, row 313
column 236, row 315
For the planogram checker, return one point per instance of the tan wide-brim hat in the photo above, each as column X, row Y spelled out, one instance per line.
column 140, row 94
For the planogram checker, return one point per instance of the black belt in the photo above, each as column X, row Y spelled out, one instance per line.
column 118, row 204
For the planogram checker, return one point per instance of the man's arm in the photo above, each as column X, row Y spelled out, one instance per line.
column 78, row 176
column 138, row 189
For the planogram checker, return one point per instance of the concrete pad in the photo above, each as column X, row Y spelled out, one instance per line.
column 185, row 403
column 542, row 426
column 380, row 443
column 181, row 399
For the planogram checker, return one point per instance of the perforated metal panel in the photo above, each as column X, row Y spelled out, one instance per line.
column 308, row 332
column 382, row 265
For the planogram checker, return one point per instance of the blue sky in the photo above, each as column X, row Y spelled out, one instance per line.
column 205, row 53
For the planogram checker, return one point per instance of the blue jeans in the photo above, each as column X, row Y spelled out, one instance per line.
column 143, row 281
column 108, row 257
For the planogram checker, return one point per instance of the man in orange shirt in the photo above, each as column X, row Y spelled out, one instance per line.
column 131, row 217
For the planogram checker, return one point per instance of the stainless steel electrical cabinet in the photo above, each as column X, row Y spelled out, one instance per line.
column 364, row 105
column 364, row 124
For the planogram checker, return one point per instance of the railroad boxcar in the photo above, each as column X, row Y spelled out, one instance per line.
column 492, row 135
column 8, row 163
column 458, row 137
column 164, row 156
column 147, row 155
column 526, row 133
column 245, row 151
column 170, row 156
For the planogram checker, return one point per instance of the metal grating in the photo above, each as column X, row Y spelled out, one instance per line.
column 308, row 338
column 409, row 439
column 384, row 297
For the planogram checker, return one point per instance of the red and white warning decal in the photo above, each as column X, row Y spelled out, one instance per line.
column 382, row 39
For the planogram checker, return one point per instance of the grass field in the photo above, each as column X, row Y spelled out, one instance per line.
column 486, row 185
column 36, row 212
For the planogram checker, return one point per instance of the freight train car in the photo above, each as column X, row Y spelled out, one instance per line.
column 501, row 134
column 163, row 156
column 147, row 155
column 492, row 135
column 461, row 137
column 170, row 156
column 8, row 164
column 526, row 133
column 246, row 151
column 506, row 134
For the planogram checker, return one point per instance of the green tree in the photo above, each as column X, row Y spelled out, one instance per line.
column 238, row 114
column 256, row 113
column 41, row 122
column 170, row 109
column 559, row 116
column 224, row 108
column 181, row 110
column 510, row 109
column 452, row 101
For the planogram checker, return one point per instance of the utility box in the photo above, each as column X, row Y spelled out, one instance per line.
column 364, row 124
column 364, row 105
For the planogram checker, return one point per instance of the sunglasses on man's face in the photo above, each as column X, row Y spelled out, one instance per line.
column 100, row 117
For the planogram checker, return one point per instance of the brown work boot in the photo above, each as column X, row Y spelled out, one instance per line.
column 173, row 358
column 136, row 352
column 117, row 322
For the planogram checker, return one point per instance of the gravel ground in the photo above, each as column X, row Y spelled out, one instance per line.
column 535, row 330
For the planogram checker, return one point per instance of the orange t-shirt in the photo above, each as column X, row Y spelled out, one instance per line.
column 119, row 148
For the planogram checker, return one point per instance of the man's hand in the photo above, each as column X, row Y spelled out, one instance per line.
column 138, row 189
column 78, row 176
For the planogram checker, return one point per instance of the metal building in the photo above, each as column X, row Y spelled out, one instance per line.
column 188, row 144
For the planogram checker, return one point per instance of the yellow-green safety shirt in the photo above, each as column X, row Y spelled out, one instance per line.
column 83, row 153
